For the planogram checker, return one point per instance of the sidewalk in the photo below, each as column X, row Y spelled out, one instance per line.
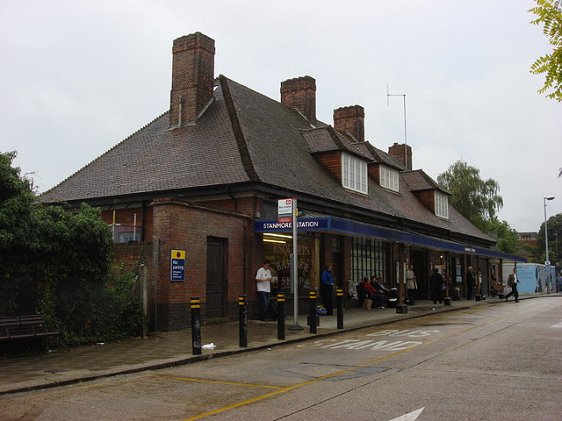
column 166, row 349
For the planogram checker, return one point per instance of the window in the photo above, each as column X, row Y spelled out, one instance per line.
column 390, row 178
column 123, row 233
column 354, row 173
column 441, row 205
column 368, row 258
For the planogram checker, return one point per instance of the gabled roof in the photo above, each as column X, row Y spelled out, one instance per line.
column 242, row 137
column 327, row 139
column 418, row 180
column 379, row 156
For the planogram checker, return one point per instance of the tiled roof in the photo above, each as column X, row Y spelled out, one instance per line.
column 418, row 180
column 244, row 136
column 158, row 159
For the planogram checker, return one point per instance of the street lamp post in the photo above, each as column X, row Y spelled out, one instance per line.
column 547, row 261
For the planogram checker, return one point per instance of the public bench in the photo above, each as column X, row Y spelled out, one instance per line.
column 24, row 326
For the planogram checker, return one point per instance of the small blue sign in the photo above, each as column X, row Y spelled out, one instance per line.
column 177, row 265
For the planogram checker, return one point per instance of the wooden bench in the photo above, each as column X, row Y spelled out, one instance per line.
column 24, row 326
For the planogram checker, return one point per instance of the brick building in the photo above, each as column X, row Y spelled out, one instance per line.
column 205, row 178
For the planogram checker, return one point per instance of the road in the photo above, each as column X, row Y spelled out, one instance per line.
column 490, row 362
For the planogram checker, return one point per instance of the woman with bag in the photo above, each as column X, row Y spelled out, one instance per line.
column 512, row 283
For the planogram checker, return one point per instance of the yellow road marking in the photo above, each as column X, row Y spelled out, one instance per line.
column 311, row 381
column 266, row 395
column 200, row 380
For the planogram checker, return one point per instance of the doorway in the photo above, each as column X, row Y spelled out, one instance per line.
column 421, row 269
column 217, row 286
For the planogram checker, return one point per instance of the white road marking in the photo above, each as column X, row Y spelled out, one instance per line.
column 557, row 325
column 411, row 416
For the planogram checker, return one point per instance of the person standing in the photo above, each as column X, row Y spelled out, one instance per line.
column 436, row 286
column 512, row 282
column 479, row 282
column 263, row 289
column 326, row 288
column 411, row 284
column 470, row 284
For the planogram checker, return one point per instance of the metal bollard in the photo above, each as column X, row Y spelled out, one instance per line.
column 280, row 316
column 196, row 325
column 243, row 324
column 339, row 304
column 312, row 311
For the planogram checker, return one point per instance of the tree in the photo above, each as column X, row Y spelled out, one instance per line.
column 507, row 238
column 16, row 201
column 56, row 261
column 476, row 199
column 549, row 15
column 554, row 224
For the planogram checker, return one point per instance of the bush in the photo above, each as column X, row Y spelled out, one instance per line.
column 57, row 262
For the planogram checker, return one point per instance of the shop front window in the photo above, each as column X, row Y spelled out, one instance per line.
column 368, row 258
column 279, row 256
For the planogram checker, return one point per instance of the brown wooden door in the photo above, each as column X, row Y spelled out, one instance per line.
column 216, row 277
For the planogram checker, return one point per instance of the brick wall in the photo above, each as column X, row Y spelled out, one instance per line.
column 427, row 198
column 374, row 172
column 177, row 226
column 332, row 162
column 130, row 255
column 127, row 217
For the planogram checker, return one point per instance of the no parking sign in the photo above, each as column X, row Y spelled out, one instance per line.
column 177, row 265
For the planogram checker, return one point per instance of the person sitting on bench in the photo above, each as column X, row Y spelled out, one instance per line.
column 379, row 296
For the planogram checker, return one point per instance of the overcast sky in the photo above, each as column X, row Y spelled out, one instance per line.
column 77, row 77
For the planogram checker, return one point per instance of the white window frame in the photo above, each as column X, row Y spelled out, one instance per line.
column 390, row 179
column 441, row 205
column 354, row 173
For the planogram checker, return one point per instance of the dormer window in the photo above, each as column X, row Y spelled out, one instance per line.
column 390, row 178
column 354, row 173
column 441, row 205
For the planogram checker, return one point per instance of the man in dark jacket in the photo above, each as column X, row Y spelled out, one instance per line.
column 326, row 287
column 470, row 284
column 436, row 286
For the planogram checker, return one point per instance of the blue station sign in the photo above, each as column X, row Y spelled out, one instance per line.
column 303, row 224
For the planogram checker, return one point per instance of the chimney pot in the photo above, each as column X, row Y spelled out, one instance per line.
column 300, row 93
column 192, row 77
column 351, row 120
column 402, row 153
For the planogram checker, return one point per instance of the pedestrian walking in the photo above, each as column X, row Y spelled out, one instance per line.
column 512, row 282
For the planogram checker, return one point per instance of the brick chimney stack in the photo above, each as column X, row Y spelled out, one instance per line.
column 300, row 93
column 351, row 120
column 193, row 68
column 402, row 153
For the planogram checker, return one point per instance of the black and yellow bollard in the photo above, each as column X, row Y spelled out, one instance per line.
column 196, row 325
column 280, row 316
column 339, row 305
column 312, row 311
column 243, row 321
